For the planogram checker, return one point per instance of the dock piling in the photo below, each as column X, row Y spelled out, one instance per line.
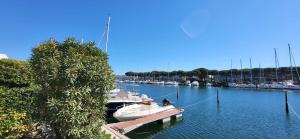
column 177, row 92
column 286, row 102
column 218, row 96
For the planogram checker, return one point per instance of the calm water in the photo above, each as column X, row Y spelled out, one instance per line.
column 242, row 113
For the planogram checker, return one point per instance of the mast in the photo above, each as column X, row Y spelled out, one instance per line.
column 241, row 70
column 291, row 65
column 231, row 71
column 107, row 32
column 251, row 78
column 263, row 75
column 168, row 72
column 276, row 64
column 259, row 74
column 295, row 65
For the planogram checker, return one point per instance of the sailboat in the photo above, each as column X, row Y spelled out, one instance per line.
column 290, row 84
column 241, row 84
column 251, row 85
column 262, row 82
column 277, row 84
column 231, row 84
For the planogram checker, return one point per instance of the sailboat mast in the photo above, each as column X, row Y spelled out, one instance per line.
column 291, row 65
column 241, row 70
column 231, row 70
column 107, row 32
column 251, row 77
column 276, row 64
column 259, row 74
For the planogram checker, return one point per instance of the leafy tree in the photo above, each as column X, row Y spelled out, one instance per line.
column 74, row 79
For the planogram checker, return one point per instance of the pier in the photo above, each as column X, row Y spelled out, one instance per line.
column 127, row 126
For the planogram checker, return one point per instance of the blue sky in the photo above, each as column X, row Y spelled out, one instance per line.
column 159, row 34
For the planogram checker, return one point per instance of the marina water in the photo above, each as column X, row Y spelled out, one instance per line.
column 241, row 113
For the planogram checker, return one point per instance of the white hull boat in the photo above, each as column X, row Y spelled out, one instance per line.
column 195, row 83
column 136, row 111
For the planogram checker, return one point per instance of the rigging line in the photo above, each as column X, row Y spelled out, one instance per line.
column 295, row 65
column 293, row 110
column 101, row 39
column 198, row 102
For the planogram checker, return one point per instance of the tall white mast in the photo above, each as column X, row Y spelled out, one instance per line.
column 107, row 32
column 251, row 77
column 276, row 64
column 241, row 70
column 291, row 65
column 259, row 74
column 231, row 70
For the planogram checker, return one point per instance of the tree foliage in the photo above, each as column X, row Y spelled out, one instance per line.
column 17, row 98
column 74, row 78
column 15, row 73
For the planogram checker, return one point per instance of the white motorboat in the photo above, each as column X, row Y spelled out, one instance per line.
column 136, row 111
column 118, row 98
column 171, row 83
column 290, row 85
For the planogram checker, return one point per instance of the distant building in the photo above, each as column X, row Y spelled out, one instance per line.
column 3, row 56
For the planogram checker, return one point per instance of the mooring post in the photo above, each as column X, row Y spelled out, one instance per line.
column 177, row 92
column 218, row 96
column 286, row 102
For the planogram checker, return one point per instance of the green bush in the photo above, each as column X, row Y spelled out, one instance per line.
column 13, row 123
column 20, row 99
column 17, row 98
column 15, row 73
column 74, row 78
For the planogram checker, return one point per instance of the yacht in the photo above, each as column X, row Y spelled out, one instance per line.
column 251, row 85
column 234, row 85
column 118, row 98
column 171, row 83
column 136, row 111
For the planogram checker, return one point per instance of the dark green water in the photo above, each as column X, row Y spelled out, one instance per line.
column 241, row 113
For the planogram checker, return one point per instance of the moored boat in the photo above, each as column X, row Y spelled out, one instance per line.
column 136, row 111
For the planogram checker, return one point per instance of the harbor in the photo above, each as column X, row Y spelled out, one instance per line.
column 258, row 78
column 239, row 113
column 150, row 69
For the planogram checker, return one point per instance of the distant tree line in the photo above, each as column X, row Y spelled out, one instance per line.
column 203, row 74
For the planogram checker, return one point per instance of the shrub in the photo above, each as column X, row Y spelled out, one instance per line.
column 13, row 124
column 15, row 73
column 17, row 98
column 74, row 78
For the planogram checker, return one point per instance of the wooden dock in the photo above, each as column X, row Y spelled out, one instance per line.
column 127, row 126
